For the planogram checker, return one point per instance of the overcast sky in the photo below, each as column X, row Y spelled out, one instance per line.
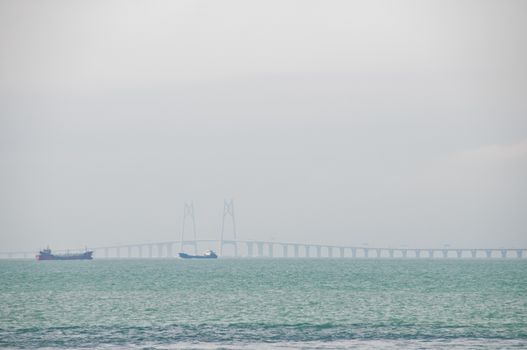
column 347, row 122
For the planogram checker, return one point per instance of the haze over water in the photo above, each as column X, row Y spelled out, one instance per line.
column 383, row 122
column 264, row 303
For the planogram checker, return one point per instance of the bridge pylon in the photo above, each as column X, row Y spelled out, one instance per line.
column 228, row 212
column 188, row 212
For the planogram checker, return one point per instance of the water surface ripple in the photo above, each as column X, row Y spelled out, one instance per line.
column 264, row 303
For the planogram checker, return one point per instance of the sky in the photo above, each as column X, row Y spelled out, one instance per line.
column 380, row 123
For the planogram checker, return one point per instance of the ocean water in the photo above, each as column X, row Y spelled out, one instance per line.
column 264, row 304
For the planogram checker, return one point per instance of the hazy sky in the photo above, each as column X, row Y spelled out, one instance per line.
column 381, row 122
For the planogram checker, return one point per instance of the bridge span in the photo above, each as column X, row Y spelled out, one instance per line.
column 274, row 249
column 230, row 246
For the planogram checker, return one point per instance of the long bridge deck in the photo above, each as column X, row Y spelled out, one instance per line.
column 272, row 249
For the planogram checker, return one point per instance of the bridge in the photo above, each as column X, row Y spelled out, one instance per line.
column 233, row 247
column 274, row 249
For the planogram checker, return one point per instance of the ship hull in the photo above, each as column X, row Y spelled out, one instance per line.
column 187, row 256
column 82, row 256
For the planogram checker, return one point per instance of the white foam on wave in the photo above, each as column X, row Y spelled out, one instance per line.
column 443, row 344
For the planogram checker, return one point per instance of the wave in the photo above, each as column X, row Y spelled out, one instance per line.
column 241, row 334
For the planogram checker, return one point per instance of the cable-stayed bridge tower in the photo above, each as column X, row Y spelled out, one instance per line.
column 188, row 214
column 255, row 248
column 228, row 213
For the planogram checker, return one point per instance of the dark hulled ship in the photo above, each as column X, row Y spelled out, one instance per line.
column 47, row 255
column 209, row 254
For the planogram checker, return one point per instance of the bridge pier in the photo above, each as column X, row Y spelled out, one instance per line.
column 234, row 244
column 259, row 245
column 152, row 250
column 287, row 249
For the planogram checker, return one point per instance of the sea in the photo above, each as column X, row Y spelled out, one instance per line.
column 264, row 304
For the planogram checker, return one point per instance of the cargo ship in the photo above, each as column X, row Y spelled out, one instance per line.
column 47, row 255
column 209, row 254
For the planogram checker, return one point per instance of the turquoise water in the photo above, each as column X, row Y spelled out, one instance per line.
column 264, row 303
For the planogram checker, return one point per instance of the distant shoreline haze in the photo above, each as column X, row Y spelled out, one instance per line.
column 395, row 124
